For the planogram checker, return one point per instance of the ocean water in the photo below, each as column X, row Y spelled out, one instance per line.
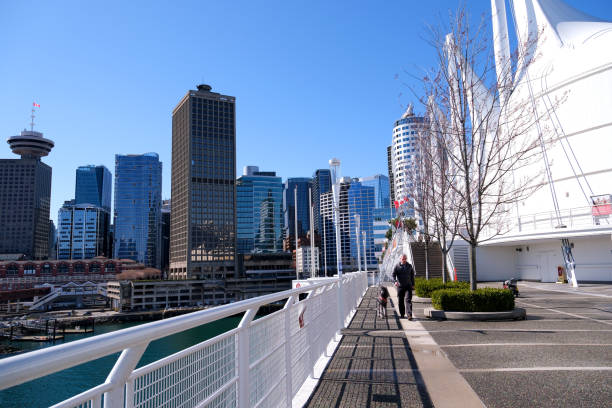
column 57, row 387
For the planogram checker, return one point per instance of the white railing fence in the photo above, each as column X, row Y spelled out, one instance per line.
column 261, row 363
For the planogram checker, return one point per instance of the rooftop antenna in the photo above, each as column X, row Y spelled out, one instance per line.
column 34, row 105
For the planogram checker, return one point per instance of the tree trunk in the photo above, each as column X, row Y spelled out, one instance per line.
column 426, row 261
column 473, row 276
column 444, row 266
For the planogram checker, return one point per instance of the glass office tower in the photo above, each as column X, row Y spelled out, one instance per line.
column 259, row 211
column 321, row 183
column 361, row 202
column 202, row 225
column 83, row 231
column 382, row 189
column 303, row 216
column 138, row 184
column 93, row 186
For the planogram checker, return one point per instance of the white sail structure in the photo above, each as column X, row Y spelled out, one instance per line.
column 569, row 81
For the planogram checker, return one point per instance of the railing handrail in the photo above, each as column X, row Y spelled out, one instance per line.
column 35, row 364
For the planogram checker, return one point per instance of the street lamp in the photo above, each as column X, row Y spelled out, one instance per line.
column 335, row 164
column 357, row 242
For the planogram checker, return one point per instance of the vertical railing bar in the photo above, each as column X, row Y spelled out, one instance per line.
column 243, row 359
column 288, row 368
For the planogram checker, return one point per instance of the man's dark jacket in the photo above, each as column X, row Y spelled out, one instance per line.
column 404, row 274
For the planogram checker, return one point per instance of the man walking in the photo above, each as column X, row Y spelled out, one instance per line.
column 403, row 274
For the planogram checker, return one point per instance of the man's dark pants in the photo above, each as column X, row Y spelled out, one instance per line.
column 406, row 305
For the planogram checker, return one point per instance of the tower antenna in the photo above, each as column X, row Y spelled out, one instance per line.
column 34, row 105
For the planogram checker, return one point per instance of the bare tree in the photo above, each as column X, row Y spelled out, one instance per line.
column 443, row 201
column 483, row 127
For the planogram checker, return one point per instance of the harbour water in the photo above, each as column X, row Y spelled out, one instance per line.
column 57, row 387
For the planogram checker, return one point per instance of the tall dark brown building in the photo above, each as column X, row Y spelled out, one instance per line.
column 203, row 217
column 25, row 196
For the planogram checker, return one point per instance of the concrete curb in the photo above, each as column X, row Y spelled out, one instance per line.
column 418, row 299
column 516, row 314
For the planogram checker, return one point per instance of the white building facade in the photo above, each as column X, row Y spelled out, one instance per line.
column 574, row 66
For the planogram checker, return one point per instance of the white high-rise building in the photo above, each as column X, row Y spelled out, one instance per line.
column 404, row 152
column 303, row 260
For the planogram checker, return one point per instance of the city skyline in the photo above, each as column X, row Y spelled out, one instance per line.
column 81, row 81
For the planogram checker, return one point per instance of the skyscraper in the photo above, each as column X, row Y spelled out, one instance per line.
column 303, row 216
column 321, row 183
column 93, row 186
column 202, row 226
column 344, row 223
column 25, row 195
column 404, row 153
column 259, row 212
column 381, row 189
column 361, row 202
column 137, row 219
column 83, row 231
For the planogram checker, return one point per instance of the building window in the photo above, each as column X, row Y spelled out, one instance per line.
column 79, row 267
column 63, row 268
column 12, row 270
column 46, row 269
column 29, row 269
column 109, row 267
column 94, row 268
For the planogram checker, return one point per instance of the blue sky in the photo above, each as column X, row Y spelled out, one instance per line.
column 313, row 79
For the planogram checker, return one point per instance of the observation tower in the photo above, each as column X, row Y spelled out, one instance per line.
column 30, row 144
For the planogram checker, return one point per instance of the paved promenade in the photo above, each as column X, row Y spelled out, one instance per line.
column 560, row 356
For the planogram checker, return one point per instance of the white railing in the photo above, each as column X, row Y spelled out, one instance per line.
column 261, row 363
column 580, row 217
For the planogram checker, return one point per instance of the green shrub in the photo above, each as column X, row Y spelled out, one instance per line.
column 424, row 288
column 480, row 300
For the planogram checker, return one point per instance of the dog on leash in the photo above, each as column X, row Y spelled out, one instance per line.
column 382, row 299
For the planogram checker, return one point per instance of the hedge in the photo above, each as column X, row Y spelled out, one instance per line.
column 424, row 288
column 480, row 300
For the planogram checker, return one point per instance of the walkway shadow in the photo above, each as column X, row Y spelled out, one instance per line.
column 373, row 365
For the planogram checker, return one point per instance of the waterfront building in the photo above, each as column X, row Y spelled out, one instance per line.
column 381, row 189
column 83, row 231
column 93, row 186
column 303, row 261
column 303, row 216
column 17, row 275
column 328, row 223
column 137, row 217
column 361, row 204
column 259, row 215
column 203, row 217
column 25, row 195
column 404, row 153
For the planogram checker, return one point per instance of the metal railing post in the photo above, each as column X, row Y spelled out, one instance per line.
column 288, row 370
column 119, row 375
column 244, row 358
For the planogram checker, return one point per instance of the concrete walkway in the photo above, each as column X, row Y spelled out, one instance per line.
column 389, row 362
